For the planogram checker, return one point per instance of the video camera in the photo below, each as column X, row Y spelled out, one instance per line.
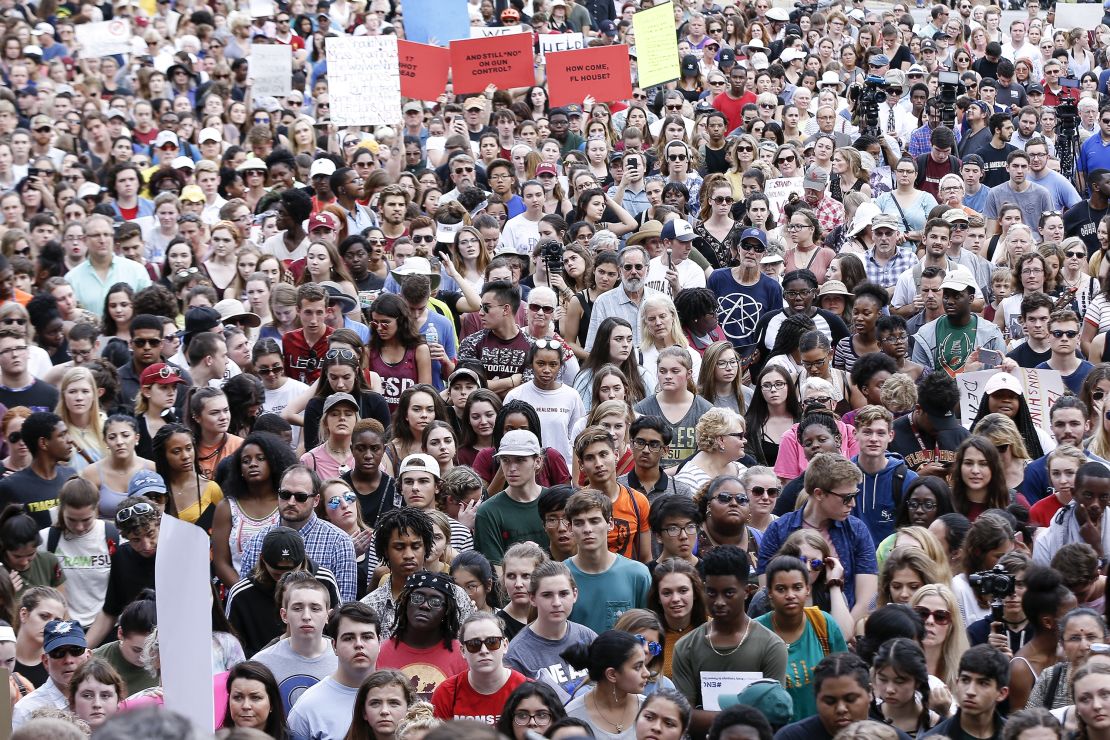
column 950, row 90
column 995, row 584
column 552, row 255
column 867, row 98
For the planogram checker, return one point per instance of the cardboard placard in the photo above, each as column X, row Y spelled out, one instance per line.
column 271, row 70
column 1042, row 389
column 103, row 39
column 779, row 189
column 364, row 81
column 488, row 32
column 656, row 45
column 261, row 9
column 437, row 22
column 1076, row 15
column 602, row 71
column 423, row 70
column 184, row 595
column 503, row 61
column 715, row 684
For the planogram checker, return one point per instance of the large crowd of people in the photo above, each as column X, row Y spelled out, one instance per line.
column 767, row 404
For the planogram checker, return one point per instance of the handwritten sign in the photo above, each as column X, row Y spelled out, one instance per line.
column 656, row 45
column 552, row 42
column 364, row 80
column 423, row 70
column 602, row 71
column 104, row 39
column 436, row 22
column 715, row 684
column 1042, row 389
column 489, row 32
column 779, row 189
column 271, row 69
column 503, row 61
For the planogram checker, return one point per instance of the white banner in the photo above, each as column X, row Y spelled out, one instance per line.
column 550, row 42
column 715, row 684
column 103, row 39
column 364, row 81
column 271, row 70
column 488, row 32
column 1075, row 15
column 779, row 189
column 1042, row 388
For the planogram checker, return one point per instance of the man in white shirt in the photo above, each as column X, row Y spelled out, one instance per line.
column 671, row 271
column 64, row 651
column 325, row 710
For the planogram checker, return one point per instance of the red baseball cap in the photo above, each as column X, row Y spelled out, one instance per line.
column 323, row 220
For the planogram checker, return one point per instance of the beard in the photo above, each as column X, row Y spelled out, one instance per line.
column 632, row 285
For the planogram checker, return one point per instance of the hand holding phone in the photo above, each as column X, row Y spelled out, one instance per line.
column 990, row 358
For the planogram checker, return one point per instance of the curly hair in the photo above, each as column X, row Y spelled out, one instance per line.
column 278, row 457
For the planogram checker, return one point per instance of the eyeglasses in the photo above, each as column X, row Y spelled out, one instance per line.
column 433, row 602
column 632, row 267
column 675, row 530
column 653, row 647
column 488, row 307
column 736, row 435
column 340, row 354
column 727, row 363
column 798, row 227
column 812, row 365
column 847, row 498
column 536, row 308
column 761, row 491
column 554, row 522
column 776, row 385
column 654, row 445
column 130, row 512
column 301, row 497
column 273, row 370
column 942, row 617
column 1061, row 333
column 68, row 651
column 728, row 498
column 523, row 718
column 744, row 149
column 462, row 170
column 788, row 158
column 13, row 321
column 921, row 505
column 1076, row 255
column 674, row 107
column 474, row 644
column 140, row 342
column 338, row 500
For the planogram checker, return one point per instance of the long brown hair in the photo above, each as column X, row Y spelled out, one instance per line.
column 700, row 612
column 360, row 728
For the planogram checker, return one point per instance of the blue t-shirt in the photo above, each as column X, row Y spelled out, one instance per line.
column 739, row 307
column 1073, row 382
column 604, row 597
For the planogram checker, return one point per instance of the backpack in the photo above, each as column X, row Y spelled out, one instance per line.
column 820, row 625
column 111, row 536
column 898, row 483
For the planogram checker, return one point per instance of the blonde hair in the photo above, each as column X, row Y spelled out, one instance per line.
column 1070, row 452
column 76, row 375
column 420, row 717
column 900, row 559
column 1001, row 430
column 955, row 644
column 656, row 301
column 933, row 548
column 714, row 425
column 899, row 393
column 682, row 354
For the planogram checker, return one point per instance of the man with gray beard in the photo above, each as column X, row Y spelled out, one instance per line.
column 624, row 300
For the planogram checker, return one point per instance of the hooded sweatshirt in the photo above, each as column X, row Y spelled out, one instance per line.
column 875, row 504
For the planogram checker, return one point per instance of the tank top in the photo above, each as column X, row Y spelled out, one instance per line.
column 396, row 378
column 243, row 527
column 587, row 311
column 109, row 498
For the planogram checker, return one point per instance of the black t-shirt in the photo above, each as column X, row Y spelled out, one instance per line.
column 36, row 673
column 254, row 615
column 1082, row 221
column 38, row 396
column 370, row 284
column 902, row 56
column 986, row 68
column 1026, row 356
column 37, row 495
column 382, row 499
column 943, row 447
column 994, row 161
column 716, row 160
column 973, row 142
column 130, row 574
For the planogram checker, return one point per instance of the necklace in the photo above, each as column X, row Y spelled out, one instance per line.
column 709, row 640
column 597, row 706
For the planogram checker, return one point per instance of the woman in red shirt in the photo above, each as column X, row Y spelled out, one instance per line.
column 481, row 692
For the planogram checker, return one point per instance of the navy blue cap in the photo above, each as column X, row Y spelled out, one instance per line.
column 753, row 233
column 62, row 633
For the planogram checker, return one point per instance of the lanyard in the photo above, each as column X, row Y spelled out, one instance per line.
column 921, row 441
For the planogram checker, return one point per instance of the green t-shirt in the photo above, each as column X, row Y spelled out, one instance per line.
column 802, row 656
column 44, row 570
column 136, row 678
column 762, row 652
column 502, row 522
column 954, row 344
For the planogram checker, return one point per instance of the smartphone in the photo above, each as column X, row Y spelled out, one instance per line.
column 990, row 358
column 633, row 164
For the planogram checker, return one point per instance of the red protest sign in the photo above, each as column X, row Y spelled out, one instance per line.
column 503, row 61
column 423, row 69
column 601, row 71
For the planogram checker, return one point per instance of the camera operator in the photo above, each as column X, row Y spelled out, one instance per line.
column 1014, row 631
column 1083, row 520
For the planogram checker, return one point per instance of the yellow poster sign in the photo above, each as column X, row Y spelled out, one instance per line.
column 656, row 45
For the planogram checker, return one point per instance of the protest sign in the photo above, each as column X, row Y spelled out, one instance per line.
column 551, row 42
column 487, row 32
column 423, row 70
column 656, row 45
column 1075, row 15
column 363, row 80
column 271, row 70
column 715, row 684
column 779, row 189
column 261, row 9
column 436, row 22
column 503, row 61
column 184, row 595
column 1042, row 389
column 601, row 71
column 104, row 39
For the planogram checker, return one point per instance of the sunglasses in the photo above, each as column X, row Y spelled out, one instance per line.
column 1060, row 333
column 15, row 321
column 536, row 308
column 753, row 246
column 275, row 370
column 433, row 602
column 129, row 513
column 942, row 617
column 68, row 651
column 769, row 492
column 816, row 564
column 474, row 644
column 301, row 497
column 791, row 158
column 1076, row 255
column 430, row 239
column 728, row 498
column 676, row 157
column 14, row 438
column 653, row 647
column 335, row 501
column 340, row 354
column 723, row 200
column 140, row 342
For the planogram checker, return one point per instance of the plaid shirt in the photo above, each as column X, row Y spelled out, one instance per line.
column 325, row 544
column 921, row 140
column 887, row 276
column 830, row 214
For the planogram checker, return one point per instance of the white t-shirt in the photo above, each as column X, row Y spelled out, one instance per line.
column 323, row 711
column 689, row 275
column 521, row 234
column 86, row 564
column 558, row 410
column 275, row 245
column 276, row 401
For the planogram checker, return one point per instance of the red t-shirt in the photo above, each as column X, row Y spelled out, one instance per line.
column 426, row 668
column 129, row 214
column 302, row 362
column 1041, row 513
column 455, row 698
column 732, row 107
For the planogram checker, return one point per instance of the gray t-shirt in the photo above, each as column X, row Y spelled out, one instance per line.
column 577, row 709
column 1033, row 201
column 323, row 711
column 684, row 443
column 296, row 674
column 539, row 658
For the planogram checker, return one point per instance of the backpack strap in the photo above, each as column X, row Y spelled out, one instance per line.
column 820, row 626
column 1053, row 685
column 899, row 483
column 52, row 539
